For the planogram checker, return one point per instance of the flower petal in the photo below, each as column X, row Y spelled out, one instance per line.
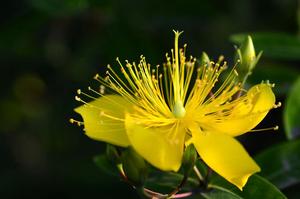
column 243, row 117
column 102, row 128
column 160, row 146
column 224, row 155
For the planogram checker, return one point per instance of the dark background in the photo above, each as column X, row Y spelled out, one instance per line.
column 50, row 48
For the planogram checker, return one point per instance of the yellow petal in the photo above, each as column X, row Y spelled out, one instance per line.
column 102, row 128
column 262, row 97
column 160, row 146
column 225, row 155
column 244, row 117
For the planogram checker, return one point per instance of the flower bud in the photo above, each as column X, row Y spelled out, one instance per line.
column 112, row 154
column 134, row 166
column 247, row 57
column 204, row 60
column 189, row 159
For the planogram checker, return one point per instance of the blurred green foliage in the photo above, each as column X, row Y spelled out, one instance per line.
column 292, row 112
column 281, row 164
column 49, row 48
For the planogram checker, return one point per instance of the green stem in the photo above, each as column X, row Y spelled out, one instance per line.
column 179, row 187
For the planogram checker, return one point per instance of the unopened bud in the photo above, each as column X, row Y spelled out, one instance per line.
column 112, row 154
column 247, row 50
column 204, row 60
column 189, row 159
column 134, row 166
column 246, row 57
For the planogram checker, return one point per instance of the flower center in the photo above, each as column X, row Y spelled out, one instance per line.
column 179, row 110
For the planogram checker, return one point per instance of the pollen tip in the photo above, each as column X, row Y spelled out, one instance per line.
column 276, row 128
column 96, row 76
column 72, row 121
column 221, row 58
column 277, row 105
column 273, row 85
column 77, row 98
column 78, row 91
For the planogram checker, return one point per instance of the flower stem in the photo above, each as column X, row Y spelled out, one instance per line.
column 154, row 195
column 179, row 187
column 182, row 195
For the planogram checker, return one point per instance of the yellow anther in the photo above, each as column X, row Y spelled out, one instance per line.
column 96, row 76
column 72, row 121
column 277, row 105
column 77, row 98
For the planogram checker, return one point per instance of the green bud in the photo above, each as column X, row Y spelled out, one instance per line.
column 112, row 154
column 247, row 57
column 204, row 60
column 134, row 166
column 189, row 159
column 247, row 50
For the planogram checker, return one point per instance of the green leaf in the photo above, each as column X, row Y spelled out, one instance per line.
column 134, row 166
column 189, row 159
column 292, row 112
column 256, row 187
column 274, row 45
column 281, row 164
column 220, row 193
column 105, row 165
column 165, row 182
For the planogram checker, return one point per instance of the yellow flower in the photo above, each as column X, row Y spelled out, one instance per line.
column 159, row 110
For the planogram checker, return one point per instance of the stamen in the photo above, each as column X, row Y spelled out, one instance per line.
column 235, row 72
column 79, row 92
column 277, row 105
column 102, row 89
column 275, row 128
column 102, row 113
column 72, row 121
column 90, row 89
